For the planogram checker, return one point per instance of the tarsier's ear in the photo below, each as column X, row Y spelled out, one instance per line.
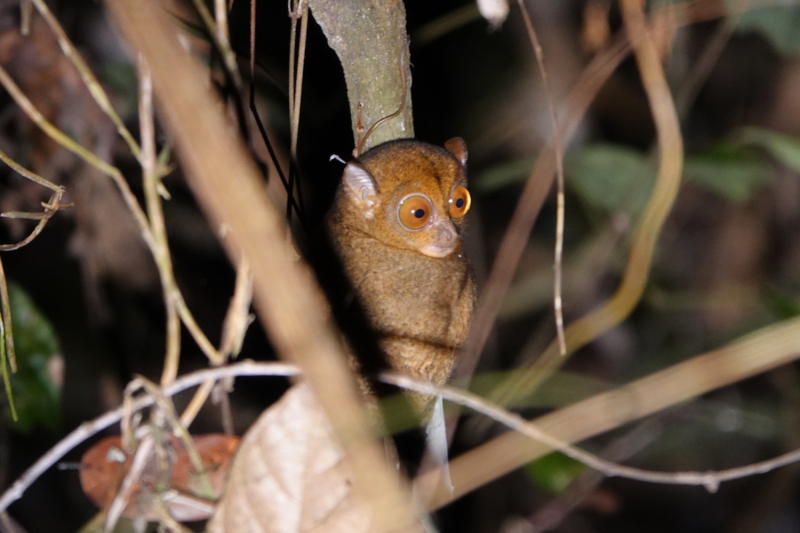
column 361, row 188
column 458, row 148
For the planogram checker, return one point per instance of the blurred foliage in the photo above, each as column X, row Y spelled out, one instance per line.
column 612, row 177
column 503, row 174
column 561, row 389
column 781, row 304
column 609, row 177
column 122, row 79
column 784, row 148
column 777, row 23
column 730, row 171
column 554, row 473
column 37, row 382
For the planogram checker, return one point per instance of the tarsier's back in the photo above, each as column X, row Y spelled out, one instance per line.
column 396, row 227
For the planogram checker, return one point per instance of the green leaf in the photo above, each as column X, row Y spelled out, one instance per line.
column 728, row 170
column 609, row 177
column 784, row 148
column 37, row 382
column 614, row 178
column 554, row 472
column 779, row 24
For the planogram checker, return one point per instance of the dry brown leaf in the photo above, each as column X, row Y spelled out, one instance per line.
column 290, row 475
column 105, row 465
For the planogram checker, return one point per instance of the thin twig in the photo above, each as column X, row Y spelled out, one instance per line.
column 702, row 68
column 151, row 179
column 25, row 173
column 121, row 499
column 237, row 320
column 539, row 182
column 221, row 15
column 86, row 75
column 298, row 208
column 220, row 396
column 530, row 203
column 178, row 429
column 754, row 353
column 217, row 31
column 261, row 128
column 25, row 17
column 8, row 333
column 198, row 400
column 220, row 42
column 87, row 429
column 550, row 516
column 65, row 141
column 250, row 368
column 24, row 215
column 293, row 15
column 710, row 480
column 640, row 258
column 558, row 148
column 50, row 208
column 166, row 520
column 194, row 328
column 5, row 333
column 665, row 191
column 295, row 102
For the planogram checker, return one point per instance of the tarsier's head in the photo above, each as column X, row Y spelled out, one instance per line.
column 411, row 195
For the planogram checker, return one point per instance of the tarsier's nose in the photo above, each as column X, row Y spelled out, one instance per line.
column 444, row 242
column 446, row 235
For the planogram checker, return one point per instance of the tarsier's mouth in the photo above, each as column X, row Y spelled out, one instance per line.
column 437, row 250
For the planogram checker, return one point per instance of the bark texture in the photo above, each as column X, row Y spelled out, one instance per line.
column 369, row 36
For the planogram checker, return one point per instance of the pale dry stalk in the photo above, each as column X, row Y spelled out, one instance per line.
column 291, row 306
column 558, row 151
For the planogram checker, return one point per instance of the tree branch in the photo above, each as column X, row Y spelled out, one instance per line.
column 369, row 36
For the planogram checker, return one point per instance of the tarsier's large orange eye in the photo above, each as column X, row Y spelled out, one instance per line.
column 460, row 201
column 414, row 212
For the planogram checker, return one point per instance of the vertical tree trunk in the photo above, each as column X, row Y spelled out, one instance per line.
column 369, row 36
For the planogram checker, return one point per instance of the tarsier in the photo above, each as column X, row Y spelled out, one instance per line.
column 395, row 227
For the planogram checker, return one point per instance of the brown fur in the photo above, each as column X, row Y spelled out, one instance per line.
column 419, row 306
